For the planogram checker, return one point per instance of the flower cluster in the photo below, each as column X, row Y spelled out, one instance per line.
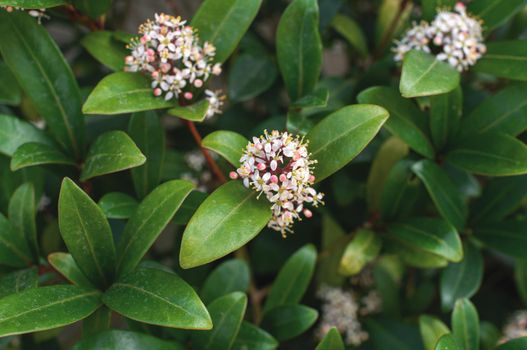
column 37, row 13
column 454, row 37
column 278, row 165
column 170, row 52
column 516, row 327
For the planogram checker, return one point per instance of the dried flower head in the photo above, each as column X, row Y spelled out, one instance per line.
column 516, row 327
column 169, row 51
column 37, row 13
column 278, row 165
column 453, row 36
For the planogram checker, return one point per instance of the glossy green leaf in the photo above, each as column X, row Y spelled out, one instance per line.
column 494, row 12
column 250, row 75
column 227, row 314
column 463, row 279
column 189, row 207
column 157, row 297
column 515, row 344
column 443, row 192
column 228, row 144
column 93, row 9
column 293, row 279
column 33, row 4
column 333, row 241
column 465, row 324
column 224, row 22
column 332, row 341
column 17, row 281
column 431, row 329
column 490, row 335
column 445, row 114
column 448, row 342
column 342, row 135
column 86, row 233
column 299, row 48
column 317, row 99
column 10, row 92
column 393, row 335
column 148, row 134
column 196, row 112
column 505, row 59
column 14, row 250
column 97, row 322
column 45, row 77
column 105, row 48
column 405, row 122
column 389, row 22
column 430, row 7
column 289, row 321
column 424, row 75
column 490, row 154
column 351, row 31
column 362, row 249
column 33, row 154
column 231, row 208
column 117, row 205
column 254, row 338
column 111, row 152
column 507, row 237
column 121, row 339
column 230, row 276
column 38, row 309
column 67, row 267
column 148, row 221
column 400, row 192
column 15, row 132
column 22, row 212
column 123, row 92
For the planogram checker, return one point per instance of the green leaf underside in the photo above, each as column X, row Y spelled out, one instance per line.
column 105, row 48
column 15, row 132
column 67, row 267
column 121, row 339
column 231, row 276
column 288, row 321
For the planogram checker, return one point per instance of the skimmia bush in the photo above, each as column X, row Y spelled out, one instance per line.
column 257, row 175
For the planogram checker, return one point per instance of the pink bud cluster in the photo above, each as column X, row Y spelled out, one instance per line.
column 169, row 51
column 278, row 165
column 454, row 37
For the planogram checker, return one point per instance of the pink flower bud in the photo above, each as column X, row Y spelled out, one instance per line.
column 155, row 74
column 274, row 179
column 233, row 175
column 198, row 83
column 144, row 39
column 259, row 146
column 312, row 178
column 165, row 67
column 261, row 166
column 307, row 213
column 157, row 92
column 188, row 95
column 283, row 177
column 129, row 59
column 150, row 52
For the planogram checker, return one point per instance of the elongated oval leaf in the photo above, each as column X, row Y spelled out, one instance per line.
column 22, row 214
column 67, row 267
column 299, row 48
column 33, row 154
column 465, row 324
column 424, row 75
column 33, row 4
column 332, row 341
column 123, row 92
column 431, row 329
column 342, row 135
column 17, row 281
column 289, row 321
column 15, row 132
column 148, row 221
column 121, row 339
column 228, row 144
column 105, row 48
column 10, row 91
column 117, row 205
column 45, row 77
column 254, row 338
column 495, row 12
column 14, row 250
column 86, row 234
column 448, row 342
column 445, row 114
column 251, row 75
column 196, row 112
column 231, row 276
column 350, row 30
column 230, row 217
column 400, row 192
column 364, row 247
column 157, row 297
column 507, row 237
column 505, row 59
column 112, row 152
column 38, row 309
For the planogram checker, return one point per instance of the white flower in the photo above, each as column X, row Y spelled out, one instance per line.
column 453, row 36
column 516, row 327
column 215, row 99
column 277, row 164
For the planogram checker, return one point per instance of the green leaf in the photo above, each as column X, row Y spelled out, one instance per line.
column 231, row 208
column 490, row 335
column 148, row 221
column 105, row 48
column 465, row 324
column 447, row 342
column 507, row 237
column 505, row 59
column 293, row 279
column 86, row 233
column 490, row 154
column 288, row 321
column 505, row 112
column 352, row 32
column 38, row 309
column 148, row 134
column 333, row 239
column 33, row 4
column 254, row 338
column 230, row 276
column 45, row 77
column 406, row 120
column 463, row 279
column 97, row 322
column 33, row 154
column 364, row 247
column 250, row 75
column 426, row 242
column 67, row 267
column 10, row 92
column 189, row 207
column 342, row 135
column 227, row 314
column 445, row 114
column 157, row 297
column 123, row 92
column 424, row 75
column 430, row 7
column 111, row 152
column 224, row 22
column 228, row 144
column 400, row 192
column 393, row 335
column 121, row 339
column 299, row 48
column 332, row 341
column 515, row 344
column 17, row 281
column 14, row 250
column 443, row 192
column 93, row 9
column 117, row 205
column 390, row 22
column 495, row 12
column 22, row 214
column 520, row 277
column 15, row 132
column 317, row 99
column 196, row 112
column 431, row 329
